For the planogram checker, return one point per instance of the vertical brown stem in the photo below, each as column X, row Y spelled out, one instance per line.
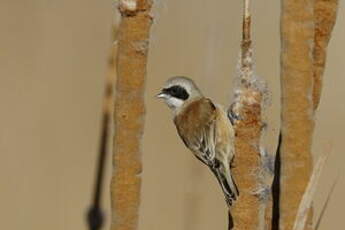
column 95, row 216
column 248, row 213
column 325, row 12
column 247, row 162
column 297, row 36
column 131, row 60
column 306, row 29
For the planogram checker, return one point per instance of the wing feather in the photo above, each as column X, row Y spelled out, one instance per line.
column 196, row 126
column 211, row 144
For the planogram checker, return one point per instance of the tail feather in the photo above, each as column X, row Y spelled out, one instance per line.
column 226, row 182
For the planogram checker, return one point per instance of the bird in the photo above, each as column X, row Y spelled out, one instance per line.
column 205, row 129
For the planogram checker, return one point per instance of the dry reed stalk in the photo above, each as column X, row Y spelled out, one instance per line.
column 325, row 205
column 131, row 60
column 325, row 12
column 308, row 196
column 248, row 212
column 95, row 216
column 108, row 104
column 306, row 29
column 297, row 35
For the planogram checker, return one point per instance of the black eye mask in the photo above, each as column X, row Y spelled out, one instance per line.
column 177, row 92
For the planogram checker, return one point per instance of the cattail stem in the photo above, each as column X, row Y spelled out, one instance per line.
column 325, row 12
column 131, row 61
column 249, row 210
column 297, row 106
column 302, row 64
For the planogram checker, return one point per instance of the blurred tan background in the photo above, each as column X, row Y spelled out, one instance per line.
column 53, row 63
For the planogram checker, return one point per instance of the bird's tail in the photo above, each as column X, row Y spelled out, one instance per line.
column 224, row 177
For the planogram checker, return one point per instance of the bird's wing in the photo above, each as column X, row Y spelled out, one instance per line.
column 196, row 126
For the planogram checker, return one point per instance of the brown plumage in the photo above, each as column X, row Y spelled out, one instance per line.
column 194, row 123
column 204, row 128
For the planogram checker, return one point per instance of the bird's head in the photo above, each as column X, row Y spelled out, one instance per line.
column 177, row 91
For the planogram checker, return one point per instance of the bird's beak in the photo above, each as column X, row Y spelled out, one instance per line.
column 161, row 95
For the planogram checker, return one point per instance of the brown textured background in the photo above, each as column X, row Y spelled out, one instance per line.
column 53, row 60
